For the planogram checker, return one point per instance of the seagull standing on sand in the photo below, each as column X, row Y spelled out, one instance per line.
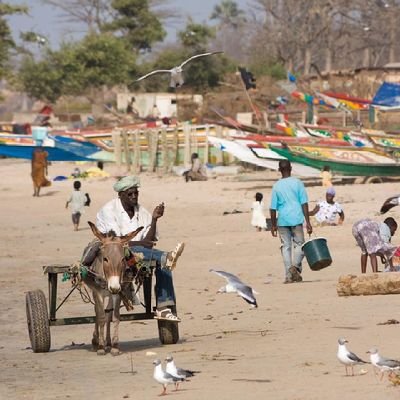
column 382, row 363
column 176, row 72
column 235, row 285
column 163, row 377
column 346, row 357
column 176, row 372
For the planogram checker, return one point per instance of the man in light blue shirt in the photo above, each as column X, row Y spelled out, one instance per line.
column 289, row 199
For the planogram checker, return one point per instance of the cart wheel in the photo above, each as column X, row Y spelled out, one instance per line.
column 168, row 332
column 38, row 321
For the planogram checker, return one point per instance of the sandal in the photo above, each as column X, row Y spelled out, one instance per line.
column 174, row 255
column 166, row 315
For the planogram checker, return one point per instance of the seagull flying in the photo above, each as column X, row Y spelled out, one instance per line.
column 163, row 377
column 382, row 363
column 346, row 357
column 235, row 285
column 177, row 372
column 176, row 72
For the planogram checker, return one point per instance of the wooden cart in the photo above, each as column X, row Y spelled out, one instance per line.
column 40, row 318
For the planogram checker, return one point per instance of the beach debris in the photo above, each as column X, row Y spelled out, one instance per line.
column 235, row 285
column 389, row 322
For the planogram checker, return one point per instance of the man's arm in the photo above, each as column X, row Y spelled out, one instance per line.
column 341, row 218
column 314, row 211
column 307, row 217
column 274, row 227
column 389, row 203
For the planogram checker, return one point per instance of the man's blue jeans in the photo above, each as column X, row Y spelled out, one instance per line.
column 164, row 288
column 291, row 235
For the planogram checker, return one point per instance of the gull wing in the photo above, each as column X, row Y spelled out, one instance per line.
column 355, row 358
column 246, row 292
column 210, row 53
column 158, row 71
column 387, row 362
column 228, row 276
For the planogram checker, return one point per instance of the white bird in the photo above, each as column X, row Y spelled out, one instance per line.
column 177, row 372
column 176, row 72
column 235, row 285
column 162, row 377
column 382, row 363
column 346, row 357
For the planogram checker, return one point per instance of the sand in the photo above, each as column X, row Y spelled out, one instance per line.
column 285, row 349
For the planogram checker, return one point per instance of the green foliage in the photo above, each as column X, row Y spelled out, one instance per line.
column 136, row 24
column 196, row 36
column 95, row 62
column 273, row 69
column 6, row 41
column 229, row 14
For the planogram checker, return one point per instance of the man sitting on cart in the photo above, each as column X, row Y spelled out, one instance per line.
column 123, row 215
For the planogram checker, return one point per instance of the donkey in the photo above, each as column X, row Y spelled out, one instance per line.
column 105, row 279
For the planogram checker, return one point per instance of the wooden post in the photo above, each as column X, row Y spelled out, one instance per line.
column 187, row 153
column 344, row 115
column 136, row 152
column 164, row 146
column 193, row 139
column 206, row 145
column 369, row 284
column 116, row 139
column 153, row 150
column 127, row 153
column 219, row 158
column 175, row 147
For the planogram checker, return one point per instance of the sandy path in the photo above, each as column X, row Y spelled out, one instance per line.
column 286, row 349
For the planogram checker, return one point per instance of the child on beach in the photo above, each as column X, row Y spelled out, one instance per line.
column 78, row 200
column 258, row 218
column 326, row 176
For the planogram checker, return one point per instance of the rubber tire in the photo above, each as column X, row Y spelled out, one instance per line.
column 168, row 332
column 373, row 179
column 38, row 321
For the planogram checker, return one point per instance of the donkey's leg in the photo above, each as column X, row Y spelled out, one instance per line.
column 115, row 318
column 109, row 311
column 95, row 338
column 101, row 320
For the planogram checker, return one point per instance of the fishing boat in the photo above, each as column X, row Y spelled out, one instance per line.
column 346, row 161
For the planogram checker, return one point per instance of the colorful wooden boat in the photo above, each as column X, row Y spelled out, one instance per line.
column 344, row 161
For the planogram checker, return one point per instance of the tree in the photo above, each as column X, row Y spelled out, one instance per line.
column 95, row 62
column 6, row 41
column 135, row 22
column 228, row 14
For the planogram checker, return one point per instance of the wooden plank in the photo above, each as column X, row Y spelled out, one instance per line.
column 369, row 284
column 56, row 268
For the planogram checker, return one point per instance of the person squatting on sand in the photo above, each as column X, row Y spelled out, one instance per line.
column 197, row 172
column 374, row 239
column 39, row 170
column 289, row 200
column 326, row 211
column 124, row 214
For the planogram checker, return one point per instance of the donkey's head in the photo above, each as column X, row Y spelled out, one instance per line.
column 112, row 256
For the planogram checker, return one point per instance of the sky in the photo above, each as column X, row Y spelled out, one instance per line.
column 43, row 18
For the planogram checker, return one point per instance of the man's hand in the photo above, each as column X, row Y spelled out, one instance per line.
column 309, row 228
column 274, row 230
column 158, row 211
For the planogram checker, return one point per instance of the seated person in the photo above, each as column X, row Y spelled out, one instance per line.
column 124, row 214
column 197, row 172
column 326, row 211
column 372, row 237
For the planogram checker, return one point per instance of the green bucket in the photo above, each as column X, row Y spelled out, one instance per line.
column 317, row 253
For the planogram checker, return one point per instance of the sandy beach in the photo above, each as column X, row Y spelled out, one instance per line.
column 285, row 349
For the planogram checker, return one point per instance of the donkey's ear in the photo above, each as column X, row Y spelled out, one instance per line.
column 130, row 236
column 95, row 231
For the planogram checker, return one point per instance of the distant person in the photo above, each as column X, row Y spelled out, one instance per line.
column 197, row 172
column 155, row 112
column 39, row 166
column 289, row 200
column 374, row 240
column 258, row 219
column 326, row 176
column 327, row 211
column 78, row 201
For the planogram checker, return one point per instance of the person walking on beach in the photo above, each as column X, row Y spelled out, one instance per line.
column 78, row 200
column 289, row 200
column 39, row 170
column 374, row 239
column 257, row 217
